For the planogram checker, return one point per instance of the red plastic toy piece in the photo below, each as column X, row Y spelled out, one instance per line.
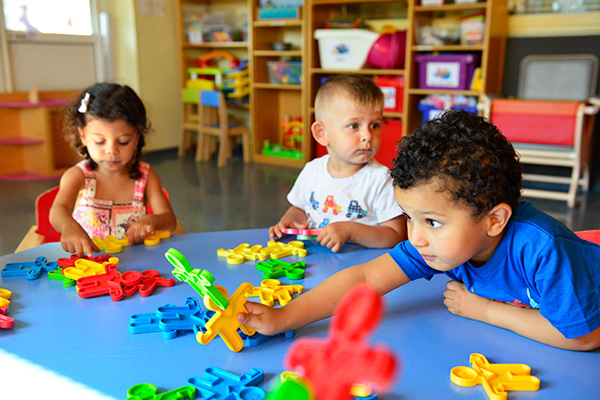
column 5, row 322
column 334, row 364
column 70, row 262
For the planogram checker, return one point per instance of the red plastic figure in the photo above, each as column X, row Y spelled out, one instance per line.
column 334, row 364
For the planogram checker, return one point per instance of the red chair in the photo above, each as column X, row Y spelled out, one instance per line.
column 43, row 231
column 590, row 236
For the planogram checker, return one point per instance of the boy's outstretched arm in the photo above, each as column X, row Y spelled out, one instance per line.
column 294, row 217
column 382, row 273
column 526, row 322
column 386, row 235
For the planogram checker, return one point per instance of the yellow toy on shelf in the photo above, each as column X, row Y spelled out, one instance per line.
column 496, row 379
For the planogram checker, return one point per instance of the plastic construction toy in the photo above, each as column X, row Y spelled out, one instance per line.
column 5, row 322
column 496, row 379
column 70, row 262
column 257, row 339
column 271, row 290
column 291, row 390
column 220, row 384
column 242, row 253
column 111, row 244
column 303, row 234
column 170, row 319
column 119, row 286
column 200, row 280
column 57, row 274
column 224, row 322
column 147, row 391
column 333, row 365
column 85, row 267
column 279, row 250
column 276, row 269
column 359, row 391
column 154, row 238
column 31, row 269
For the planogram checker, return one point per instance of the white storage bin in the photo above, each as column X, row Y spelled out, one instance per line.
column 344, row 48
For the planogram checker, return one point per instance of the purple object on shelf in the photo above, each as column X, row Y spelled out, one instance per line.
column 446, row 71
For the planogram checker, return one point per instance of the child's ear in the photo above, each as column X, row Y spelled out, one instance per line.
column 318, row 132
column 81, row 134
column 498, row 218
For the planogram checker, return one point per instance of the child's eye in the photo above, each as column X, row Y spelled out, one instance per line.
column 99, row 143
column 434, row 223
column 124, row 143
column 376, row 126
column 353, row 126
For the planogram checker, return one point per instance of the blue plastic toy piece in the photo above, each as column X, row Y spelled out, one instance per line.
column 258, row 339
column 224, row 385
column 31, row 269
column 170, row 319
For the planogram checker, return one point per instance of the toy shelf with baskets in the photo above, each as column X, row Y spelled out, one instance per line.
column 323, row 63
column 466, row 63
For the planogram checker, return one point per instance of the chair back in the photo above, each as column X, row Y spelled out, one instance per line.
column 43, row 203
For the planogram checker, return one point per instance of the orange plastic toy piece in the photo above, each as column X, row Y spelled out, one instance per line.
column 111, row 244
column 224, row 322
column 154, row 238
column 271, row 290
column 496, row 379
column 278, row 249
column 333, row 365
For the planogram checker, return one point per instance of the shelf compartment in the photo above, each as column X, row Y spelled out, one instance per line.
column 364, row 71
column 278, row 53
column 276, row 23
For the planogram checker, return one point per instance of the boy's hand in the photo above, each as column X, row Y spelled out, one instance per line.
column 141, row 228
column 334, row 235
column 464, row 303
column 75, row 240
column 277, row 230
column 266, row 320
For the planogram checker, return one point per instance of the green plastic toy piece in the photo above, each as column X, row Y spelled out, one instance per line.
column 57, row 274
column 147, row 391
column 200, row 280
column 290, row 390
column 276, row 268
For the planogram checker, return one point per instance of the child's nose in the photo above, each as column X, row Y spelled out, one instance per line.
column 367, row 135
column 415, row 235
column 111, row 148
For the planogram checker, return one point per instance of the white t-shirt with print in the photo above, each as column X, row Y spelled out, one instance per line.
column 366, row 197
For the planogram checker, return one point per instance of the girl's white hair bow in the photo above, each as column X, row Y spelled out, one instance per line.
column 84, row 103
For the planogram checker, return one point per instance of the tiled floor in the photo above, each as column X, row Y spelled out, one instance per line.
column 206, row 198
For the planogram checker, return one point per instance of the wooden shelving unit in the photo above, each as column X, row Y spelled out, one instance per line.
column 490, row 52
column 271, row 103
column 189, row 53
column 31, row 140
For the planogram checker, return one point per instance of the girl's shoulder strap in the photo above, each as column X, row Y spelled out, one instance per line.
column 85, row 167
column 89, row 189
column 140, row 184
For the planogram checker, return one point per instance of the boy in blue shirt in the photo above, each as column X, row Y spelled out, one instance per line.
column 458, row 181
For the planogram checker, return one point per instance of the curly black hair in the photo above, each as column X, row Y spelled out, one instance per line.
column 465, row 152
column 108, row 101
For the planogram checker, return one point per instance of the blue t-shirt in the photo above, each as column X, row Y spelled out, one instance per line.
column 539, row 263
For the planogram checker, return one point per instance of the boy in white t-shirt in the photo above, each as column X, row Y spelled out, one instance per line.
column 346, row 194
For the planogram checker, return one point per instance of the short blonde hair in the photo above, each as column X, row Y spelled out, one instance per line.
column 362, row 90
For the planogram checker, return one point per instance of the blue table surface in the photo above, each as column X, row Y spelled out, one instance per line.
column 88, row 340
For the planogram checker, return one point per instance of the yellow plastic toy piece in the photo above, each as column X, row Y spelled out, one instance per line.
column 271, row 290
column 154, row 238
column 5, row 297
column 224, row 322
column 111, row 244
column 279, row 250
column 242, row 253
column 85, row 267
column 496, row 379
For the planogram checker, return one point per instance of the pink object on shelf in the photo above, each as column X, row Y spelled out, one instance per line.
column 19, row 140
column 388, row 51
column 27, row 177
column 446, row 71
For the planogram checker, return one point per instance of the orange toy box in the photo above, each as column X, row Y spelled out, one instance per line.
column 537, row 122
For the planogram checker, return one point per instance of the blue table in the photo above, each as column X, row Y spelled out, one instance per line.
column 88, row 340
